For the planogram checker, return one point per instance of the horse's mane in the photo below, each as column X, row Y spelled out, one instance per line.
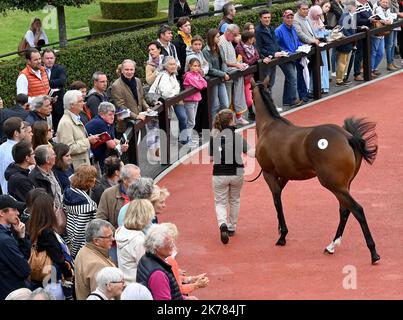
column 270, row 106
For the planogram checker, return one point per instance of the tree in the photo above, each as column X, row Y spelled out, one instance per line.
column 33, row 5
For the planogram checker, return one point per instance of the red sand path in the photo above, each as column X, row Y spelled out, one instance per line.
column 252, row 267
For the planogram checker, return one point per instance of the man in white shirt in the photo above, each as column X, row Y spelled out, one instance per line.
column 33, row 80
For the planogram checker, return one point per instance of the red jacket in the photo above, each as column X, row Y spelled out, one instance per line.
column 194, row 79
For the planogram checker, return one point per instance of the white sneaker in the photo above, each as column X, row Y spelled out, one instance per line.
column 241, row 121
column 333, row 74
column 279, row 109
column 192, row 144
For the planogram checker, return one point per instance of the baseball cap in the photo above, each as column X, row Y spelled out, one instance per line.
column 7, row 201
column 287, row 13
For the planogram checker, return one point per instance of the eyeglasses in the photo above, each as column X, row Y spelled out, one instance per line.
column 106, row 237
column 121, row 281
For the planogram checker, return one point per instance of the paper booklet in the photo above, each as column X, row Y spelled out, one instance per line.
column 124, row 113
column 103, row 137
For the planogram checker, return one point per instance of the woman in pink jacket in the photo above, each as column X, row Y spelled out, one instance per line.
column 193, row 78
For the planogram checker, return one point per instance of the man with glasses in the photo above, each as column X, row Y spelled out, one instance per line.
column 71, row 130
column 98, row 92
column 93, row 257
column 17, row 173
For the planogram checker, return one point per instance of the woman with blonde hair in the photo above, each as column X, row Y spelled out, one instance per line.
column 158, row 198
column 36, row 36
column 130, row 237
column 79, row 207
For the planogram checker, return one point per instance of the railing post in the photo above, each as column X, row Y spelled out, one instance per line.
column 209, row 101
column 165, row 125
column 316, row 73
column 366, row 56
column 132, row 152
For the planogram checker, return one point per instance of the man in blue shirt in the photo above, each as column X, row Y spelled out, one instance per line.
column 104, row 122
column 15, row 248
column 288, row 41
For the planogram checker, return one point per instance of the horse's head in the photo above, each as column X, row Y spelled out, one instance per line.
column 264, row 104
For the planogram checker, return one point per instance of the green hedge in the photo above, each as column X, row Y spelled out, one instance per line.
column 100, row 24
column 128, row 9
column 83, row 59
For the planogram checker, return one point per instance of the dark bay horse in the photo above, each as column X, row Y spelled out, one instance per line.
column 331, row 153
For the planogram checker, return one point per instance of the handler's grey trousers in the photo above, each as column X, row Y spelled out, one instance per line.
column 227, row 191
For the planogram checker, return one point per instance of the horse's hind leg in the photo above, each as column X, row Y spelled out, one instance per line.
column 344, row 213
column 347, row 201
column 276, row 185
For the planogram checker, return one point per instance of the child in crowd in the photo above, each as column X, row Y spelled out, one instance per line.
column 195, row 51
column 247, row 50
column 249, row 26
column 226, row 147
column 193, row 78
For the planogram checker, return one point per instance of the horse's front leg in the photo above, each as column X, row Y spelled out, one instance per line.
column 276, row 185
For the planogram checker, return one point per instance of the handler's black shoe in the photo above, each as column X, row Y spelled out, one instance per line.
column 224, row 233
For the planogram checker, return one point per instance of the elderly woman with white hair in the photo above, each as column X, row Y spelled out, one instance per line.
column 103, row 123
column 153, row 271
column 71, row 130
column 110, row 284
column 136, row 291
column 166, row 84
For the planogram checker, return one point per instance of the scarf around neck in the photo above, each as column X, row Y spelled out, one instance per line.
column 132, row 85
column 249, row 50
column 187, row 38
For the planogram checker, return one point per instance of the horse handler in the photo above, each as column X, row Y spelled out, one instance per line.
column 226, row 148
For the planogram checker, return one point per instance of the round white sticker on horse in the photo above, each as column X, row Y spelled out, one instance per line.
column 322, row 144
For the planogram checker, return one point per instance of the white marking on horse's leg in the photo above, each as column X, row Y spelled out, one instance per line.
column 330, row 247
column 337, row 241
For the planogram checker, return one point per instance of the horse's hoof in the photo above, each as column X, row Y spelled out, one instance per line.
column 281, row 242
column 326, row 251
column 375, row 258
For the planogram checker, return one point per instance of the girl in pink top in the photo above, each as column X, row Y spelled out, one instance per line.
column 193, row 78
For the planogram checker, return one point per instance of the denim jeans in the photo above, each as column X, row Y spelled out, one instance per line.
column 182, row 119
column 238, row 96
column 377, row 47
column 271, row 73
column 390, row 42
column 290, row 92
column 219, row 99
column 191, row 110
column 301, row 85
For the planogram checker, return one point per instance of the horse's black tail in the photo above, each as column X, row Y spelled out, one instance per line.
column 364, row 139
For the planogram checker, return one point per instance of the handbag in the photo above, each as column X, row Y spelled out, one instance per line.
column 153, row 97
column 61, row 220
column 22, row 46
column 41, row 264
column 378, row 24
column 335, row 34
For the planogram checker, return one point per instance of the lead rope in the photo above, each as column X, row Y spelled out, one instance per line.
column 261, row 170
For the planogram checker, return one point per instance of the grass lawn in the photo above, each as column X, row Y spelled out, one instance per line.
column 14, row 26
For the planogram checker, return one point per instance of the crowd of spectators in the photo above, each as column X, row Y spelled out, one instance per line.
column 67, row 189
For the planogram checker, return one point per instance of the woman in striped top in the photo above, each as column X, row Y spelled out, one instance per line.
column 78, row 205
